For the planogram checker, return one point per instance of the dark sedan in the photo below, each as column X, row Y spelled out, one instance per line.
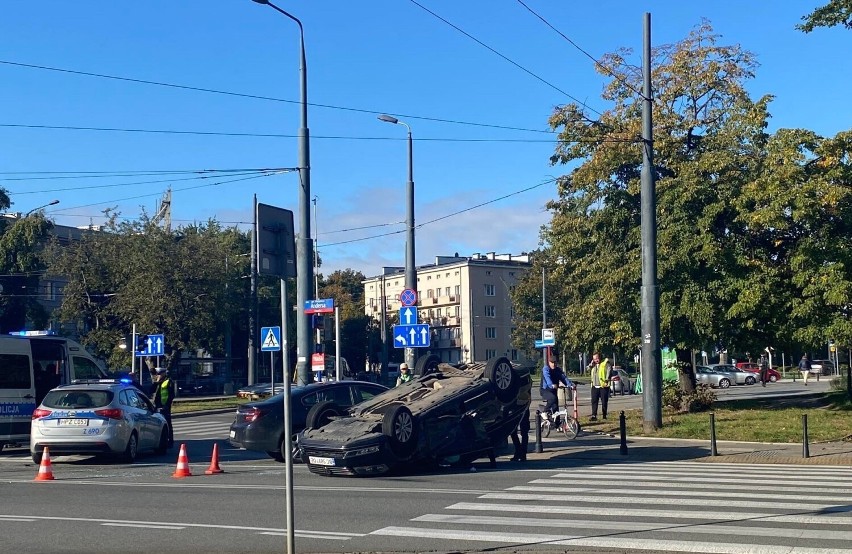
column 260, row 425
column 445, row 415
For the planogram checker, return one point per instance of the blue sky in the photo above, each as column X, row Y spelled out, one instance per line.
column 363, row 58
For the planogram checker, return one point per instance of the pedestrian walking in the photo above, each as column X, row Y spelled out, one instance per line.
column 601, row 372
column 164, row 395
column 805, row 368
column 764, row 370
column 521, row 437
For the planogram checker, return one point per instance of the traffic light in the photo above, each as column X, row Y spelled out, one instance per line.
column 141, row 343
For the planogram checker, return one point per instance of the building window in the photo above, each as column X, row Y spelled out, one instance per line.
column 490, row 290
column 447, row 291
column 429, row 293
column 437, row 292
column 438, row 276
column 419, row 294
column 458, row 311
column 490, row 311
column 428, row 277
column 490, row 354
column 491, row 332
column 396, row 283
column 458, row 290
column 372, row 302
column 456, row 332
column 457, row 272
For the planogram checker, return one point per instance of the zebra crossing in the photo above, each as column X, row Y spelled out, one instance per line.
column 201, row 429
column 656, row 506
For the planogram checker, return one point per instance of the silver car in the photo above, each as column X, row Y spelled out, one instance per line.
column 104, row 416
column 707, row 376
column 741, row 376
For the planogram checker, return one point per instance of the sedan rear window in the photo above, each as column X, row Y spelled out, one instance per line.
column 77, row 399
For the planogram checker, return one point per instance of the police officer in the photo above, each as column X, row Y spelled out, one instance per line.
column 164, row 395
column 602, row 374
column 404, row 375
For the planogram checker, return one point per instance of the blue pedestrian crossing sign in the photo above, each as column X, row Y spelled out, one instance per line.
column 270, row 339
column 411, row 336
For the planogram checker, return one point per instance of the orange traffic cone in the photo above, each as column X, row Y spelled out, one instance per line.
column 45, row 470
column 214, row 462
column 182, row 469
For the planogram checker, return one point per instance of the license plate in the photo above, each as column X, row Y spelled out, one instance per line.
column 233, row 434
column 75, row 422
column 321, row 461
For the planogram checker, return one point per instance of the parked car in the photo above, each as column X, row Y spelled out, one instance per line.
column 823, row 367
column 741, row 376
column 447, row 414
column 97, row 416
column 260, row 425
column 259, row 391
column 774, row 374
column 714, row 378
column 622, row 382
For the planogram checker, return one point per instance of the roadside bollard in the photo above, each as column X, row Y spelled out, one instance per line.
column 539, row 448
column 622, row 427
column 805, row 452
column 713, row 451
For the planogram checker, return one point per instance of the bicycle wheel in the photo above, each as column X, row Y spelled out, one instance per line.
column 545, row 428
column 571, row 427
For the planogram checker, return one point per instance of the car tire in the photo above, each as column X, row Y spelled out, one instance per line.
column 724, row 383
column 280, row 454
column 426, row 365
column 400, row 427
column 750, row 380
column 773, row 378
column 321, row 413
column 502, row 375
column 163, row 445
column 37, row 456
column 132, row 450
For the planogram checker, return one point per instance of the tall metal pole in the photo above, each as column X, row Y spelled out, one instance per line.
column 252, row 347
column 316, row 264
column 304, row 244
column 652, row 376
column 410, row 268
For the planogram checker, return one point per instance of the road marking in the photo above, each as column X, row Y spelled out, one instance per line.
column 147, row 526
column 695, row 492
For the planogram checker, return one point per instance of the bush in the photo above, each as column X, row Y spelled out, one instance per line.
column 675, row 399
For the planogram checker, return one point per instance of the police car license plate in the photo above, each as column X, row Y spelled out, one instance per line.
column 75, row 422
column 321, row 461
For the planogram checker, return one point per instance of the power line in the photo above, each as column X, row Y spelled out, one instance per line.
column 577, row 46
column 269, row 98
column 516, row 64
column 101, row 174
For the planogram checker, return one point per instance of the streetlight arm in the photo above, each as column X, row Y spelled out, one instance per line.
column 51, row 203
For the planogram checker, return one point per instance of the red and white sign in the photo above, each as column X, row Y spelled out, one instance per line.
column 317, row 362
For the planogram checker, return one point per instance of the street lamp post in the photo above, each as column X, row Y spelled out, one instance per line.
column 410, row 268
column 304, row 244
column 51, row 203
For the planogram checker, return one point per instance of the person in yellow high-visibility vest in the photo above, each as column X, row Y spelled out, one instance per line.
column 164, row 395
column 601, row 372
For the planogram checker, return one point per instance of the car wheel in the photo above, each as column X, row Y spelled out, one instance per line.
column 724, row 383
column 400, row 426
column 502, row 375
column 426, row 365
column 750, row 380
column 37, row 456
column 276, row 454
column 132, row 449
column 773, row 378
column 321, row 413
column 163, row 445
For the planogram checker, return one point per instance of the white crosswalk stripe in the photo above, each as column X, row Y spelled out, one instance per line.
column 667, row 507
column 207, row 430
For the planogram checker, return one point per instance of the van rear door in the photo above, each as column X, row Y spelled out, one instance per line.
column 17, row 390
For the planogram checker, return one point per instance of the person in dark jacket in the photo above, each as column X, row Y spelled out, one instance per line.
column 521, row 438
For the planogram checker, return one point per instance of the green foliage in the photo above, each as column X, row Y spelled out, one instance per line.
column 675, row 399
column 22, row 242
column 672, row 396
column 836, row 12
column 749, row 224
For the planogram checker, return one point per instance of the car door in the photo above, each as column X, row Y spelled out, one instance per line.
column 152, row 422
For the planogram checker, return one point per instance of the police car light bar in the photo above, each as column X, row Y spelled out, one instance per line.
column 45, row 333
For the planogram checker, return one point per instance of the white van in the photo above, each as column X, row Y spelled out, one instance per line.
column 32, row 363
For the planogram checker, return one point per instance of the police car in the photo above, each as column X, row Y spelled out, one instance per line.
column 98, row 416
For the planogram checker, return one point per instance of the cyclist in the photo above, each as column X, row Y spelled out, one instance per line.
column 551, row 376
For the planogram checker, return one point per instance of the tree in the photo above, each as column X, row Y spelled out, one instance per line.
column 836, row 12
column 347, row 289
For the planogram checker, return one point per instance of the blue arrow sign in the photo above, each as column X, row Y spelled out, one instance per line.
column 270, row 339
column 411, row 336
column 408, row 315
column 154, row 345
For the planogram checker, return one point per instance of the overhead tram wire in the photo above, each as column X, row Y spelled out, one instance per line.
column 272, row 99
column 608, row 71
column 527, row 189
column 511, row 61
column 102, row 174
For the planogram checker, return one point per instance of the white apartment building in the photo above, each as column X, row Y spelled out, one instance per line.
column 465, row 300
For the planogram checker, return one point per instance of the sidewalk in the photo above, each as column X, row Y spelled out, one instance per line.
column 607, row 448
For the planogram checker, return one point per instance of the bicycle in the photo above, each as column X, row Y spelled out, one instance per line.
column 562, row 420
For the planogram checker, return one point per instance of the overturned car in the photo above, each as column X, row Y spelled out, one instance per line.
column 446, row 414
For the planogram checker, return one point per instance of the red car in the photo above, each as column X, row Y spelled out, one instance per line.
column 755, row 368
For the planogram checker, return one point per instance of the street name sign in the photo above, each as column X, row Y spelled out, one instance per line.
column 321, row 306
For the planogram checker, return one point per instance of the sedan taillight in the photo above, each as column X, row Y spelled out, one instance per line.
column 251, row 414
column 40, row 413
column 110, row 413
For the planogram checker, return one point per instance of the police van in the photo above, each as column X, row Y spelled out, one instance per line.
column 32, row 363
